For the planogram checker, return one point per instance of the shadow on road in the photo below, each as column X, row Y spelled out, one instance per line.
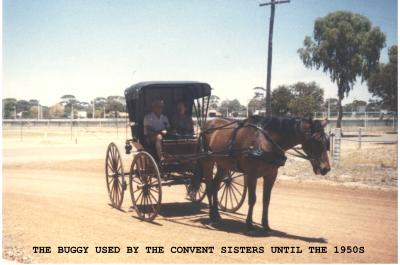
column 238, row 226
column 196, row 215
column 179, row 209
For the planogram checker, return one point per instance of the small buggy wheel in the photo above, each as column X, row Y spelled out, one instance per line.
column 196, row 195
column 145, row 186
column 232, row 191
column 115, row 178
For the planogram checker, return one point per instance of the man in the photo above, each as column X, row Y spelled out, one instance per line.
column 156, row 125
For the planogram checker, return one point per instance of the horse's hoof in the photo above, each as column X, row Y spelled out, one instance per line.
column 215, row 219
column 267, row 229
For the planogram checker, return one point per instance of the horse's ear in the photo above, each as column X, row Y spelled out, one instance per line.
column 324, row 123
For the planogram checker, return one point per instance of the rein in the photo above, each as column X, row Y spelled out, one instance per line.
column 301, row 155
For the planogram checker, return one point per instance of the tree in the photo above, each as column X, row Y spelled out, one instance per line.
column 68, row 102
column 258, row 101
column 33, row 102
column 9, row 107
column 33, row 112
column 230, row 106
column 355, row 106
column 383, row 83
column 281, row 96
column 331, row 105
column 307, row 99
column 23, row 108
column 114, row 103
column 374, row 105
column 56, row 111
column 214, row 100
column 99, row 104
column 347, row 47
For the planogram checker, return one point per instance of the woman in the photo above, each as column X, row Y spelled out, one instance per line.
column 182, row 123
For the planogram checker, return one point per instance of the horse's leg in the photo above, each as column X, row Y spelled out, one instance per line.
column 216, row 183
column 268, row 184
column 207, row 170
column 251, row 188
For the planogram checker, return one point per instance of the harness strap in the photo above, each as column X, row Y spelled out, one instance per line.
column 241, row 124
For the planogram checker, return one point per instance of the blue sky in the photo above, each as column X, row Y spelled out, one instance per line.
column 98, row 48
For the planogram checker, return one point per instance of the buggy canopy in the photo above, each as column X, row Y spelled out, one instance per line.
column 140, row 96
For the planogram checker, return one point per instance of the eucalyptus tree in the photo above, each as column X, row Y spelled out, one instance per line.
column 346, row 46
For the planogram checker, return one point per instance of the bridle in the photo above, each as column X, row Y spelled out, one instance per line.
column 312, row 136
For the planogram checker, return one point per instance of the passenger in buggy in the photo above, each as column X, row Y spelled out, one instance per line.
column 155, row 126
column 182, row 127
column 182, row 123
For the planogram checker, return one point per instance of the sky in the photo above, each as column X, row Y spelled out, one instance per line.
column 91, row 48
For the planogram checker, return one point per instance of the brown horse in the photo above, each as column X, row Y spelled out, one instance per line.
column 257, row 148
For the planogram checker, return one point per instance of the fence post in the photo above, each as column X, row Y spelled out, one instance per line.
column 359, row 138
column 394, row 128
column 20, row 132
column 336, row 150
column 331, row 138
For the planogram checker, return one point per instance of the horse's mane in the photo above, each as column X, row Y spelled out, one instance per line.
column 281, row 125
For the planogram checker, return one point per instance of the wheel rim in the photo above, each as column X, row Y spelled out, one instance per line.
column 115, row 179
column 145, row 186
column 232, row 191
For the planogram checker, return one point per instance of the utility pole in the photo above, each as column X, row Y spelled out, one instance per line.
column 268, row 109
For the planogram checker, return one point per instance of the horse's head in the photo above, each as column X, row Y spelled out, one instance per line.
column 316, row 145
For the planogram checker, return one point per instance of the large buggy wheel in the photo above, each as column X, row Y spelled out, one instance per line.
column 232, row 191
column 115, row 178
column 145, row 186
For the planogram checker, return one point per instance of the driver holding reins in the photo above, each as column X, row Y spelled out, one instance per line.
column 156, row 125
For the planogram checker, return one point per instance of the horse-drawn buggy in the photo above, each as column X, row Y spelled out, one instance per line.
column 178, row 163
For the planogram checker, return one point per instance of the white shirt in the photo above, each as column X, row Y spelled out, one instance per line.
column 157, row 124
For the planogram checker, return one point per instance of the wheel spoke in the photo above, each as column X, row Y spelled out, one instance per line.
column 240, row 184
column 230, row 196
column 152, row 206
column 137, row 190
column 222, row 196
column 226, row 197
column 139, row 196
column 110, row 179
column 237, row 190
column 222, row 184
column 142, row 200
column 155, row 199
column 157, row 191
column 136, row 181
column 234, row 195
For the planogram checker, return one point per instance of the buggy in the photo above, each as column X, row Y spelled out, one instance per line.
column 147, row 174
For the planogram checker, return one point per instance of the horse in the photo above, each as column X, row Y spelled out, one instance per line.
column 256, row 147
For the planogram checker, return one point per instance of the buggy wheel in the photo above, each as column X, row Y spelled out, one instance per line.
column 232, row 191
column 115, row 178
column 145, row 186
column 197, row 195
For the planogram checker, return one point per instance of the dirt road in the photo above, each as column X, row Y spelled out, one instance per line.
column 63, row 202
